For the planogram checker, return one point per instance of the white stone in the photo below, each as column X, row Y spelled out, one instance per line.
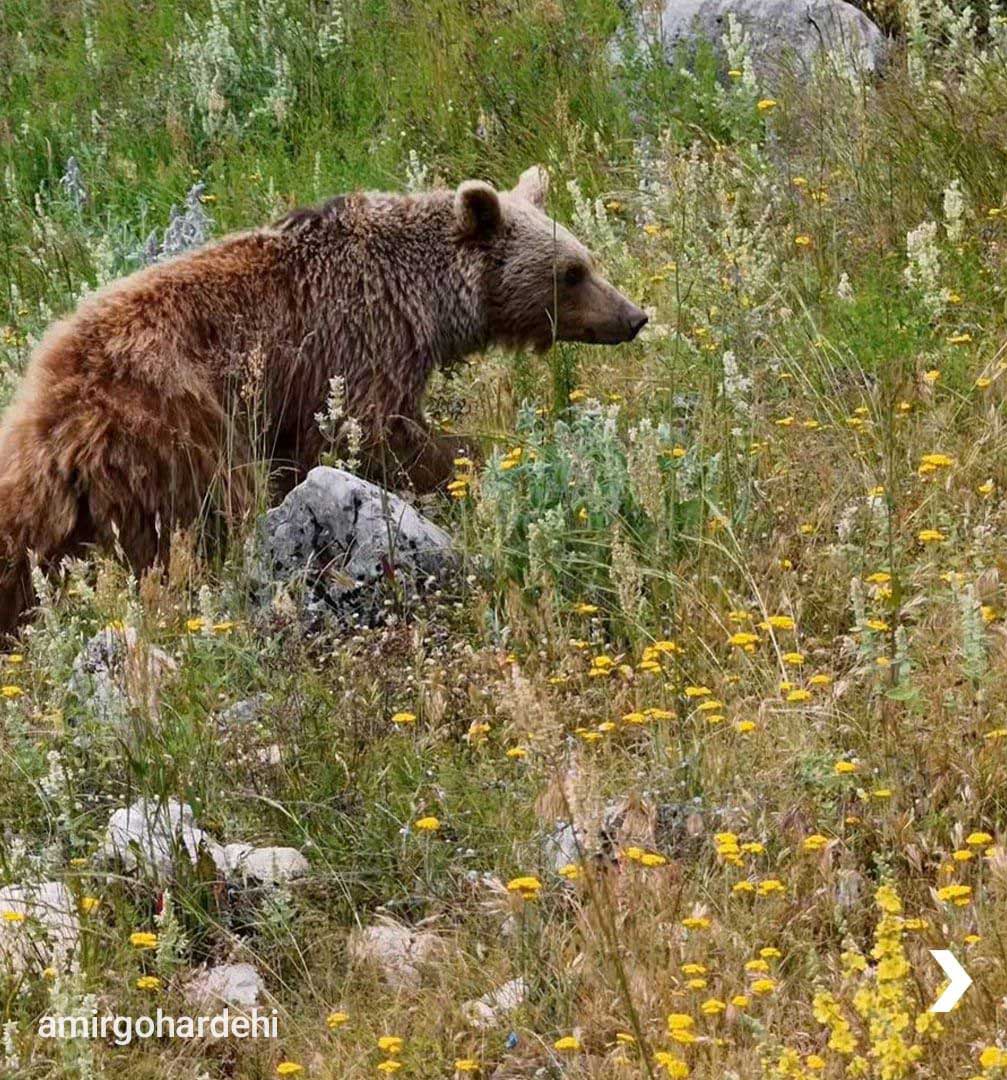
column 395, row 950
column 564, row 845
column 492, row 1008
column 50, row 927
column 148, row 834
column 228, row 984
column 269, row 865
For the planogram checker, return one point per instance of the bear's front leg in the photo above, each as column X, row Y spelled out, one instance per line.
column 413, row 454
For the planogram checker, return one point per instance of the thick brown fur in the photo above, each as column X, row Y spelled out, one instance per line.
column 148, row 408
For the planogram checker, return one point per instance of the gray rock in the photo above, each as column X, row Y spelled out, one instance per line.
column 790, row 33
column 849, row 889
column 49, row 927
column 115, row 672
column 564, row 845
column 227, row 984
column 348, row 539
column 683, row 829
column 148, row 835
column 244, row 713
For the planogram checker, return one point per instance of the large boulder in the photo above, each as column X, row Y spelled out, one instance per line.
column 789, row 34
column 348, row 541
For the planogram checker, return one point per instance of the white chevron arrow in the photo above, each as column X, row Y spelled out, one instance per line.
column 960, row 980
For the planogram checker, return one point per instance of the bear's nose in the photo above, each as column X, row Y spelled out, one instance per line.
column 637, row 321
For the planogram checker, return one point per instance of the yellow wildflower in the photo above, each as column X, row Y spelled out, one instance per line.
column 527, row 887
column 567, row 1044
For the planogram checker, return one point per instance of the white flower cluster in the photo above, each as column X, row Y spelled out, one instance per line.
column 338, row 429
column 954, row 211
column 209, row 62
column 738, row 50
column 923, row 268
column 590, row 220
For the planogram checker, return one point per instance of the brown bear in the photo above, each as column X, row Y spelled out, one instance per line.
column 152, row 403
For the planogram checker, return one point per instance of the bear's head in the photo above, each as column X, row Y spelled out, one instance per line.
column 540, row 282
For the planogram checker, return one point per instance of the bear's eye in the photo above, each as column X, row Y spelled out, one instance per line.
column 575, row 274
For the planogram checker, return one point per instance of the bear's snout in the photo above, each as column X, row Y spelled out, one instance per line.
column 602, row 316
column 630, row 321
column 637, row 321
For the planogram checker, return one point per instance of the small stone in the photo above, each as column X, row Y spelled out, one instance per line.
column 564, row 845
column 266, row 865
column 228, row 984
column 244, row 713
column 494, row 1007
column 116, row 672
column 395, row 950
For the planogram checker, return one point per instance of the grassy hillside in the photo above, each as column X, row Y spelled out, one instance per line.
column 736, row 609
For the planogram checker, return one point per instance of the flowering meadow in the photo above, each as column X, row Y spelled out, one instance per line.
column 706, row 748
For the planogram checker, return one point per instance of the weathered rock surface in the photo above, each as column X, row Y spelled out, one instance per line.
column 44, row 925
column 266, row 865
column 115, row 672
column 225, row 984
column 149, row 835
column 244, row 714
column 348, row 539
column 780, row 32
column 563, row 846
column 398, row 952
column 493, row 1008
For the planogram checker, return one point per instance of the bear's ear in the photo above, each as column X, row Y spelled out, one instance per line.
column 477, row 208
column 534, row 186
